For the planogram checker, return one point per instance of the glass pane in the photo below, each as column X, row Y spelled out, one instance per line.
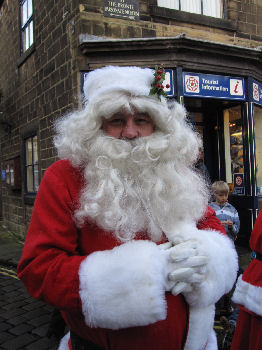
column 28, row 151
column 7, row 174
column 30, row 8
column 213, row 8
column 258, row 142
column 26, row 37
column 24, row 13
column 31, row 33
column 36, row 178
column 193, row 6
column 233, row 143
column 24, row 40
column 12, row 178
column 29, row 178
column 35, row 149
column 171, row 4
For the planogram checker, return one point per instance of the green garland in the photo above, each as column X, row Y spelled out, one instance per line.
column 157, row 87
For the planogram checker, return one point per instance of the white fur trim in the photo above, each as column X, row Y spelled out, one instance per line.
column 123, row 287
column 200, row 328
column 222, row 266
column 63, row 345
column 249, row 296
column 135, row 80
column 212, row 341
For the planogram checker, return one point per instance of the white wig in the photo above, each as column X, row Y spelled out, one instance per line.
column 145, row 185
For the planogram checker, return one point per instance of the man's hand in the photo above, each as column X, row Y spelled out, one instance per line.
column 185, row 266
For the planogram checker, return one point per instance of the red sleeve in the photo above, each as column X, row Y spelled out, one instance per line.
column 210, row 221
column 50, row 262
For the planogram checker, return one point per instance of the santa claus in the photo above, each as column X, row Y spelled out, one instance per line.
column 248, row 294
column 121, row 240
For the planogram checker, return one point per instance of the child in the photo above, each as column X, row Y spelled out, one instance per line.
column 228, row 216
column 225, row 212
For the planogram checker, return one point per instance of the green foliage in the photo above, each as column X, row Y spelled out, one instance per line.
column 157, row 87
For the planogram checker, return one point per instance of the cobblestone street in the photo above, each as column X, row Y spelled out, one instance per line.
column 23, row 320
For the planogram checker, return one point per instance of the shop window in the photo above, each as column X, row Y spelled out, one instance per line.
column 27, row 25
column 213, row 8
column 233, row 137
column 31, row 165
column 258, row 143
column 13, row 173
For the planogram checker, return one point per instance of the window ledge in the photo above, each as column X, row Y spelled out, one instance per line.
column 25, row 55
column 193, row 18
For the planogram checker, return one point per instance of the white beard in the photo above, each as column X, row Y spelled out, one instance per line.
column 145, row 185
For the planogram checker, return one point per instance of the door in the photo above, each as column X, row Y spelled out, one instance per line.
column 224, row 130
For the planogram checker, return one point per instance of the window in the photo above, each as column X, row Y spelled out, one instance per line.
column 233, row 143
column 213, row 8
column 13, row 173
column 258, row 141
column 31, row 165
column 27, row 32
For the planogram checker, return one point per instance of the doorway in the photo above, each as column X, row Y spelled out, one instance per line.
column 223, row 128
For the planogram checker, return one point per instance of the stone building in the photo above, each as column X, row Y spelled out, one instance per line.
column 48, row 46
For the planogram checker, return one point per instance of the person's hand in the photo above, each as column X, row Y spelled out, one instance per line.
column 185, row 266
column 230, row 224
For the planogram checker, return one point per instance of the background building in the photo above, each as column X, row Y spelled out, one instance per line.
column 212, row 51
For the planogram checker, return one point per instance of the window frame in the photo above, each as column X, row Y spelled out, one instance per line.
column 26, row 26
column 223, row 15
column 32, row 164
column 192, row 18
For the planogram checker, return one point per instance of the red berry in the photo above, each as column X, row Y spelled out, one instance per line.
column 158, row 85
column 162, row 87
column 159, row 71
column 167, row 86
column 158, row 77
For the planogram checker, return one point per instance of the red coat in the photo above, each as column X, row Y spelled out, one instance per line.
column 248, row 294
column 54, row 250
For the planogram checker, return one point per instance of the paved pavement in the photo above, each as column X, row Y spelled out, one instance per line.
column 24, row 321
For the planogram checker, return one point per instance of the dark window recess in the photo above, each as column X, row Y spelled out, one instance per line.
column 13, row 173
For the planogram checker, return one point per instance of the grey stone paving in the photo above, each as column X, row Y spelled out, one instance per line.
column 23, row 320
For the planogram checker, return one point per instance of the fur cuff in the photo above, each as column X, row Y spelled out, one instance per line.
column 201, row 320
column 63, row 345
column 249, row 296
column 123, row 287
column 221, row 270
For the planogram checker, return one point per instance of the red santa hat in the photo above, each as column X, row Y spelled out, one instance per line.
column 249, row 286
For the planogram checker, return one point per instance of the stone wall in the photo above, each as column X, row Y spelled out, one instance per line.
column 37, row 88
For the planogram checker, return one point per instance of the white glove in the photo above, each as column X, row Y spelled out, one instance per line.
column 185, row 268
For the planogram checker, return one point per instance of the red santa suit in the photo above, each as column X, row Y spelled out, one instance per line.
column 248, row 294
column 109, row 293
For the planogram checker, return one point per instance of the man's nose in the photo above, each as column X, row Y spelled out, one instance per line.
column 130, row 130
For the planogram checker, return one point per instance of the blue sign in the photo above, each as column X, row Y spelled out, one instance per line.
column 3, row 175
column 239, row 186
column 256, row 92
column 214, row 86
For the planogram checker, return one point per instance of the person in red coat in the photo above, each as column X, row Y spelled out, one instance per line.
column 121, row 239
column 248, row 294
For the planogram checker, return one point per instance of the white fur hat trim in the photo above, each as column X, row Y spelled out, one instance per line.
column 137, row 81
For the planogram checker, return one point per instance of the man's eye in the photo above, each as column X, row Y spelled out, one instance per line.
column 143, row 120
column 116, row 121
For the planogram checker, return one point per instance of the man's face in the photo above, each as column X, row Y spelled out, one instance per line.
column 124, row 125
